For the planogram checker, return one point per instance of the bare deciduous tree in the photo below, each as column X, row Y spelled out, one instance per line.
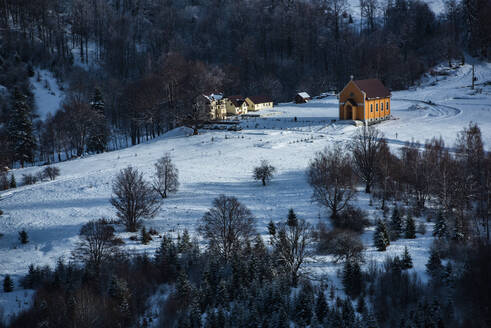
column 331, row 177
column 166, row 179
column 264, row 172
column 228, row 225
column 97, row 243
column 366, row 148
column 291, row 240
column 134, row 199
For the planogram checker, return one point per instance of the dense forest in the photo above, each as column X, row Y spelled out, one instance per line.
column 132, row 69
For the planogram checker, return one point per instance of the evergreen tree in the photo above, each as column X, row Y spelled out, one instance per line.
column 8, row 284
column 410, row 229
column 434, row 266
column 292, row 220
column 361, row 306
column 12, row 183
column 407, row 261
column 352, row 279
column 440, row 228
column 321, row 307
column 381, row 237
column 395, row 224
column 23, row 237
column 184, row 242
column 98, row 134
column 20, row 131
column 303, row 305
column 369, row 320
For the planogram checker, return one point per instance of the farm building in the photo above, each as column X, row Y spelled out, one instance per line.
column 212, row 106
column 364, row 100
column 235, row 105
column 302, row 98
column 258, row 102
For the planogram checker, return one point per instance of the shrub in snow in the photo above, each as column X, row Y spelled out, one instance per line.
column 51, row 172
column 23, row 237
column 133, row 198
column 29, row 179
column 351, row 218
column 343, row 245
column 264, row 172
column 8, row 284
column 1, row 212
column 145, row 236
column 440, row 228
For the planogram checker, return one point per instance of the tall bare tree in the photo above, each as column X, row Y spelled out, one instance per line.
column 227, row 225
column 331, row 176
column 133, row 198
column 365, row 147
column 97, row 243
column 166, row 178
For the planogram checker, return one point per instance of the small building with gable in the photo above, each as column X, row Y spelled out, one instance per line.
column 256, row 103
column 364, row 100
column 302, row 98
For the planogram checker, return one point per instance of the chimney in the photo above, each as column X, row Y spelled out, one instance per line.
column 351, row 77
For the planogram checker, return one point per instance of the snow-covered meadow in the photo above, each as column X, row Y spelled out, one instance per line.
column 221, row 162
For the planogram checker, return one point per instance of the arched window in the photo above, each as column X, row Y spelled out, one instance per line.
column 376, row 107
column 387, row 105
column 381, row 106
column 371, row 107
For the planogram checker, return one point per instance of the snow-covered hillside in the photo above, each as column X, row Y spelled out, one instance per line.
column 218, row 161
column 47, row 93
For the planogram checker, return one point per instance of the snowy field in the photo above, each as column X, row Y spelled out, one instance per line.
column 217, row 162
column 47, row 93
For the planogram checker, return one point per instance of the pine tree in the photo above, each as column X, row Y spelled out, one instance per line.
column 347, row 277
column 381, row 237
column 8, row 284
column 321, row 307
column 12, row 183
column 361, row 306
column 369, row 320
column 440, row 228
column 434, row 266
column 395, row 224
column 292, row 220
column 20, row 131
column 23, row 237
column 184, row 242
column 410, row 229
column 97, row 138
column 407, row 261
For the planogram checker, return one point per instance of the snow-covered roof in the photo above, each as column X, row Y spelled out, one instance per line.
column 214, row 96
column 303, row 95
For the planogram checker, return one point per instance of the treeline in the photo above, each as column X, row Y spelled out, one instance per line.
column 151, row 59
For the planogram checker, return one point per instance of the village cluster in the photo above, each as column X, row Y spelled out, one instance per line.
column 366, row 101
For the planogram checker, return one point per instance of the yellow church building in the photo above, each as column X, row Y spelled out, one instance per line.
column 364, row 100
